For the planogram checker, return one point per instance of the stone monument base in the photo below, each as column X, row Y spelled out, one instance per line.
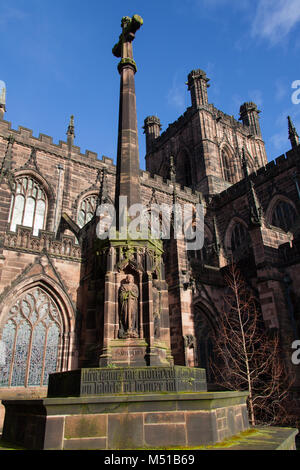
column 136, row 421
column 127, row 408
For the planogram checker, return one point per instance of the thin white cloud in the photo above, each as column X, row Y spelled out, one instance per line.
column 279, row 140
column 253, row 95
column 281, row 89
column 177, row 95
column 256, row 96
column 275, row 19
column 9, row 14
column 272, row 20
column 238, row 4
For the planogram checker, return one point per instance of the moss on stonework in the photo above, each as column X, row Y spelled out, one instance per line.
column 250, row 439
column 242, row 437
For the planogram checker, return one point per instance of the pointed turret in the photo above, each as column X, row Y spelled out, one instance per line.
column 293, row 136
column 152, row 128
column 249, row 115
column 197, row 85
column 71, row 133
column 2, row 99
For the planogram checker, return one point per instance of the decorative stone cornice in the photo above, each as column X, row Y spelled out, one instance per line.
column 24, row 241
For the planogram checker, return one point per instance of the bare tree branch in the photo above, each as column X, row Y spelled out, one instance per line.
column 248, row 357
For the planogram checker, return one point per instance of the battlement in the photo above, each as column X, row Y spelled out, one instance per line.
column 175, row 126
column 228, row 119
column 271, row 170
column 167, row 186
column 45, row 143
column 218, row 115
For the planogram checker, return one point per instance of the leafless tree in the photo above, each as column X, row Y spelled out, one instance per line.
column 248, row 357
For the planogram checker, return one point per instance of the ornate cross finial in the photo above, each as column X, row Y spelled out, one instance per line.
column 123, row 48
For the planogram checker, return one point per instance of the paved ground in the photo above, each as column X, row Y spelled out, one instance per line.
column 262, row 438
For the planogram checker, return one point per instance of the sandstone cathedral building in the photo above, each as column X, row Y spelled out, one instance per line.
column 59, row 307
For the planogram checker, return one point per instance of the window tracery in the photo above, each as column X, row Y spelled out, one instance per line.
column 31, row 338
column 226, row 166
column 239, row 237
column 284, row 216
column 28, row 205
column 87, row 210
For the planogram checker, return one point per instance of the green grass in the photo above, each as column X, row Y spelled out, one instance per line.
column 8, row 446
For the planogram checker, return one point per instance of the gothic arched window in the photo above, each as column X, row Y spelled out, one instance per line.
column 204, row 342
column 187, row 172
column 239, row 237
column 183, row 169
column 226, row 167
column 284, row 216
column 28, row 205
column 30, row 341
column 87, row 210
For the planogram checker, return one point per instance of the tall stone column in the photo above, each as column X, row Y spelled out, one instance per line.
column 128, row 165
column 135, row 312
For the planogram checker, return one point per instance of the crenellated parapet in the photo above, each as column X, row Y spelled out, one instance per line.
column 44, row 143
column 167, row 186
column 273, row 169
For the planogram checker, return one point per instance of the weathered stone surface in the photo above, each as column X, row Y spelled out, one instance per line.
column 125, row 431
column 85, row 426
column 99, row 443
column 119, row 422
column 103, row 381
column 170, row 435
column 201, row 427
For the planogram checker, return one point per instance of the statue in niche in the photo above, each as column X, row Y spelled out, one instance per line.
column 128, row 298
column 189, row 349
column 156, row 295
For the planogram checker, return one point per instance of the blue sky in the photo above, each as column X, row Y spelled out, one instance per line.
column 56, row 61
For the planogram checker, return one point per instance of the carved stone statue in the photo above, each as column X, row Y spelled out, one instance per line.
column 128, row 298
column 190, row 347
column 156, row 294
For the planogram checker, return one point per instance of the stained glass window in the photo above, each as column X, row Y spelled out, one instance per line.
column 30, row 339
column 28, row 205
column 87, row 210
